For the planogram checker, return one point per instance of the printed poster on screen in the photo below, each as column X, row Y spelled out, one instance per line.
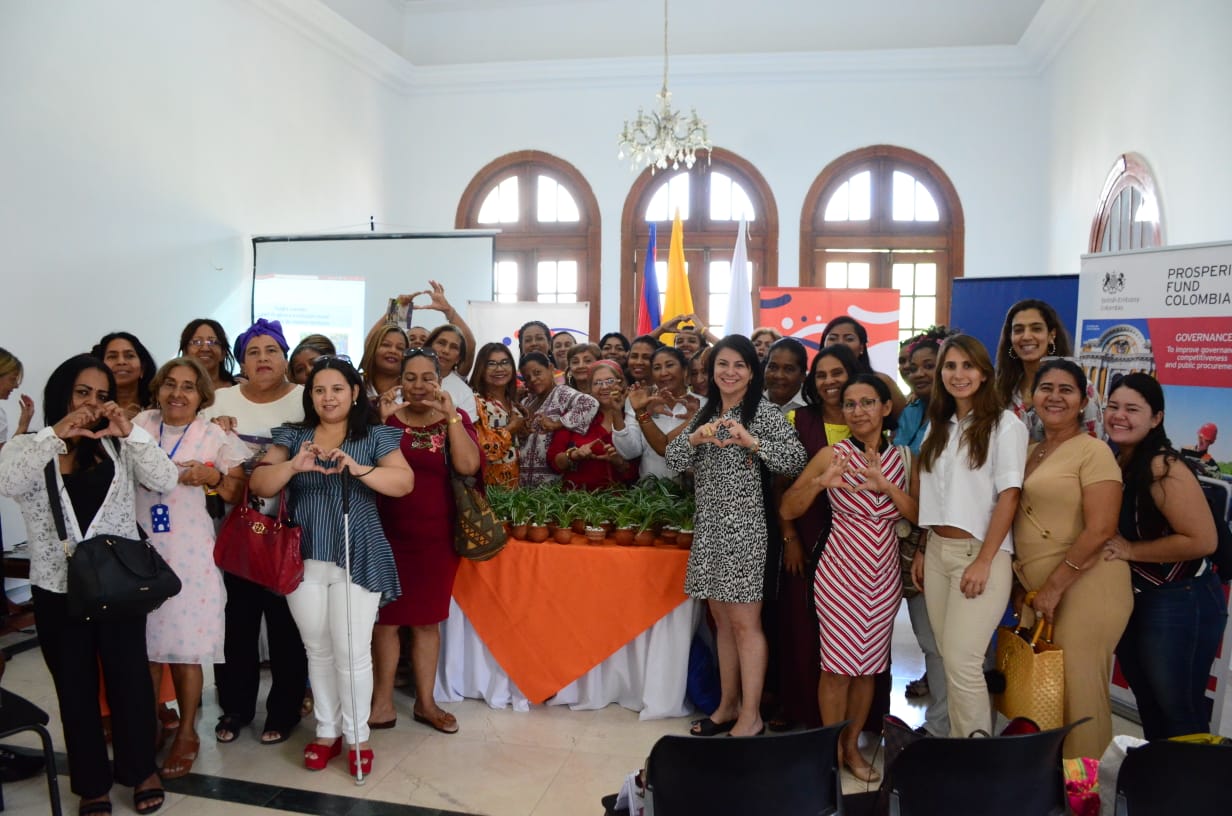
column 1167, row 312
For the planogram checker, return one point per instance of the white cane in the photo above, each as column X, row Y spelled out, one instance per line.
column 346, row 543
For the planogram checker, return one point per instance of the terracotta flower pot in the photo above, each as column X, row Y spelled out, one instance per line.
column 562, row 535
column 668, row 534
column 645, row 538
column 519, row 531
column 537, row 533
column 578, row 526
column 684, row 539
column 624, row 536
column 595, row 535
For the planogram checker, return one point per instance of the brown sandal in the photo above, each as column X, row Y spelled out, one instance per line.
column 442, row 721
column 180, row 761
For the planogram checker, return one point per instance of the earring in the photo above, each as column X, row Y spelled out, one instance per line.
column 1011, row 353
column 1052, row 348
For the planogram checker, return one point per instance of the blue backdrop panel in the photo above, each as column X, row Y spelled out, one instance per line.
column 978, row 305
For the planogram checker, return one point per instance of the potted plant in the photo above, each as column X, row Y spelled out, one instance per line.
column 558, row 507
column 683, row 518
column 521, row 502
column 537, row 529
column 627, row 516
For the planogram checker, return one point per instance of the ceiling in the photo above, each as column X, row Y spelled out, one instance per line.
column 448, row 32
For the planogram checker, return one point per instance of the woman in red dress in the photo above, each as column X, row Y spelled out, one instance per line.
column 419, row 527
column 587, row 460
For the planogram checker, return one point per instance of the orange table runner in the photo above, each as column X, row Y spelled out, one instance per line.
column 550, row 613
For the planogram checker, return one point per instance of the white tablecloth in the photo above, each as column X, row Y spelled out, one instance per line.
column 646, row 675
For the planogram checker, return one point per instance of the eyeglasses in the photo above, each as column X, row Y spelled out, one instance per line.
column 606, row 382
column 867, row 404
column 504, row 362
column 202, row 342
column 325, row 358
column 418, row 352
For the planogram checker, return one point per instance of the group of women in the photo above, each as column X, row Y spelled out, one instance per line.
column 799, row 493
column 1005, row 476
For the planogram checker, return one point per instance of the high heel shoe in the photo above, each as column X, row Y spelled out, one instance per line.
column 365, row 761
column 317, row 756
column 865, row 773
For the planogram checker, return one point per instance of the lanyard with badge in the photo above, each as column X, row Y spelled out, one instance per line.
column 160, row 514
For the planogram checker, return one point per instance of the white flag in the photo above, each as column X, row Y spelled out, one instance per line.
column 740, row 299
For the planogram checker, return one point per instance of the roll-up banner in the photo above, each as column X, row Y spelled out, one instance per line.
column 1168, row 312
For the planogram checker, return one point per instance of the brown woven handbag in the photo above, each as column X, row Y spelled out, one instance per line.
column 1034, row 672
column 477, row 534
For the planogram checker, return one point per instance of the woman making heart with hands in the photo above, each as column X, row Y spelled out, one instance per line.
column 655, row 415
column 337, row 436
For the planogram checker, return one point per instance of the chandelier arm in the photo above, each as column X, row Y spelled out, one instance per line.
column 665, row 53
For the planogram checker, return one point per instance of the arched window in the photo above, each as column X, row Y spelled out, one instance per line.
column 712, row 198
column 1129, row 214
column 548, row 247
column 885, row 217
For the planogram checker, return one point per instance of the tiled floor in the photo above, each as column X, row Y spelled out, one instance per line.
column 547, row 762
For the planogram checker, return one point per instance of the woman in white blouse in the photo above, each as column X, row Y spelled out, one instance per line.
column 97, row 457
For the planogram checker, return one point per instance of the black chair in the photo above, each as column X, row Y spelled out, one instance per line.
column 18, row 714
column 981, row 776
column 793, row 774
column 1174, row 778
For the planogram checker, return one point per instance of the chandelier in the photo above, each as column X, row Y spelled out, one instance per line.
column 663, row 136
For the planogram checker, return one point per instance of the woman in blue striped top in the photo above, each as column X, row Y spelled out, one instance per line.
column 338, row 434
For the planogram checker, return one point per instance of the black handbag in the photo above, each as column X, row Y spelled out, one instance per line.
column 111, row 577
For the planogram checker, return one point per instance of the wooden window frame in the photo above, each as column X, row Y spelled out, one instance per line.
column 580, row 240
column 880, row 231
column 703, row 237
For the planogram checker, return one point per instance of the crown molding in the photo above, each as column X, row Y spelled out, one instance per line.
column 323, row 26
column 1051, row 28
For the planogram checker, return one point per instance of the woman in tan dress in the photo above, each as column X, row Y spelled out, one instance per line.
column 1071, row 497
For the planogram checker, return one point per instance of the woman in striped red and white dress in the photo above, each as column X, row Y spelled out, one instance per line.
column 857, row 586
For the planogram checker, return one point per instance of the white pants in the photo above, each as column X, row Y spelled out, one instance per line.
column 964, row 626
column 319, row 608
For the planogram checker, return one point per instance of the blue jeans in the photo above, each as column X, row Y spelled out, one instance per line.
column 1167, row 650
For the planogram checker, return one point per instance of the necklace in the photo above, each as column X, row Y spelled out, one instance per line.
column 430, row 437
column 1043, row 450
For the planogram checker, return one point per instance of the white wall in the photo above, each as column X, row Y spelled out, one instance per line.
column 1150, row 78
column 986, row 132
column 144, row 142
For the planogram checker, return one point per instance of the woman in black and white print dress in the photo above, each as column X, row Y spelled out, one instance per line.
column 727, row 565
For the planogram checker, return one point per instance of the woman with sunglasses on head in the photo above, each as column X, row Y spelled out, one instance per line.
column 588, row 460
column 187, row 630
column 305, row 353
column 381, row 365
column 857, row 585
column 734, row 444
column 436, row 439
column 500, row 423
column 1166, row 534
column 133, row 367
column 654, row 416
column 1071, row 498
column 253, row 409
column 850, row 332
column 335, row 610
column 548, row 408
column 97, row 458
column 452, row 349
column 205, row 340
column 1033, row 331
column 970, row 474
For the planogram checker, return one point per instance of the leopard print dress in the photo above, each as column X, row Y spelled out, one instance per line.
column 728, row 559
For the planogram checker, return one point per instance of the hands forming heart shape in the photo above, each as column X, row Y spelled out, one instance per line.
column 314, row 458
column 89, row 422
column 721, row 433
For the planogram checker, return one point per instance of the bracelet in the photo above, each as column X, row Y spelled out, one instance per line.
column 222, row 477
column 756, row 445
column 1072, row 565
column 456, row 419
column 644, row 416
column 366, row 472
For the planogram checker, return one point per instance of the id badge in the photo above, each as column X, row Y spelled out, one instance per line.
column 160, row 519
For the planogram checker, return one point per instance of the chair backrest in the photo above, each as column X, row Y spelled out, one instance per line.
column 793, row 774
column 997, row 776
column 1174, row 778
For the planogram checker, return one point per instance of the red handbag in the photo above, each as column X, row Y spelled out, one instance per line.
column 257, row 548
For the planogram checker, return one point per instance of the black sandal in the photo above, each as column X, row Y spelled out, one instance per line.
column 230, row 725
column 707, row 727
column 99, row 808
column 144, row 797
